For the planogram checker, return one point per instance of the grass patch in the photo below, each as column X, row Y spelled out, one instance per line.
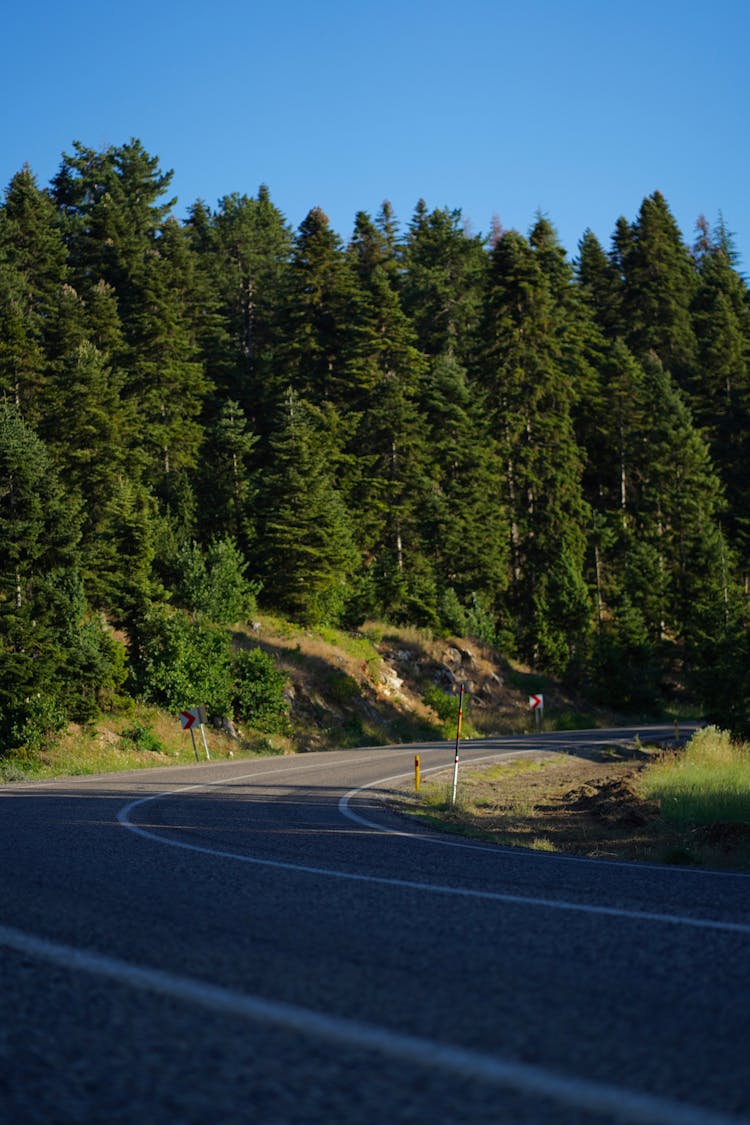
column 407, row 635
column 482, row 810
column 355, row 645
column 142, row 738
column 706, row 783
column 17, row 769
column 512, row 769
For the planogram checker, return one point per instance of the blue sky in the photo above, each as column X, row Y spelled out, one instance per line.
column 576, row 108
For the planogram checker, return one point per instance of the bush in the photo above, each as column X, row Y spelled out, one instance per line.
column 452, row 613
column 96, row 669
column 141, row 738
column 38, row 723
column 446, row 706
column 213, row 582
column 183, row 663
column 258, row 695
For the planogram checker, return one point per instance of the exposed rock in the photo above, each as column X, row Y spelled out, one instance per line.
column 390, row 682
column 227, row 726
column 443, row 677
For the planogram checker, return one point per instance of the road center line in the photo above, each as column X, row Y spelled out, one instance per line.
column 580, row 1093
column 124, row 815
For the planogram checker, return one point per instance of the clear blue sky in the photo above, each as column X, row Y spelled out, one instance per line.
column 576, row 108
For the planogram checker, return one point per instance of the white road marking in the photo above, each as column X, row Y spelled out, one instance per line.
column 524, row 1078
column 124, row 814
column 517, row 853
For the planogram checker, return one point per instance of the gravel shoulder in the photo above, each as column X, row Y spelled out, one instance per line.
column 582, row 803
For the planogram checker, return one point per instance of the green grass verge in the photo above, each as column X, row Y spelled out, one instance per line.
column 141, row 738
column 706, row 783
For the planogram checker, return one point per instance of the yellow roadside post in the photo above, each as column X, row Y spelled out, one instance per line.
column 417, row 773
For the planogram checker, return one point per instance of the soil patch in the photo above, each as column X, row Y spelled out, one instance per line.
column 583, row 803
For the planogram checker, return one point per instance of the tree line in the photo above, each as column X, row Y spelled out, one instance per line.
column 471, row 434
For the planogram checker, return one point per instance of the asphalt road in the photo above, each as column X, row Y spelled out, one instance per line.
column 261, row 941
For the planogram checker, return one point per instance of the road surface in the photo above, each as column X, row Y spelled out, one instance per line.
column 263, row 941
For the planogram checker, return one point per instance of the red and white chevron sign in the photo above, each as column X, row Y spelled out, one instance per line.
column 536, row 702
column 187, row 718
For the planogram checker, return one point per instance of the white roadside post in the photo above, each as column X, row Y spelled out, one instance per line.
column 536, row 703
column 202, row 721
column 458, row 739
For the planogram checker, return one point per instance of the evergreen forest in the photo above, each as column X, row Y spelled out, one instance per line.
column 477, row 435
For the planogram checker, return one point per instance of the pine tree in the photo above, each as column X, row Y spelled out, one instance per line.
column 226, row 488
column 320, row 309
column 680, row 501
column 462, row 524
column 127, row 581
column 601, row 286
column 388, row 489
column 720, row 389
column 22, row 358
column 442, row 282
column 31, row 238
column 89, row 450
column 166, row 378
column 305, row 545
column 371, row 247
column 121, row 240
column 33, row 284
column 110, row 215
column 659, row 285
column 38, row 546
column 245, row 248
column 530, row 396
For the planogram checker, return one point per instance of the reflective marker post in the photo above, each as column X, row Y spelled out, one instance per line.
column 417, row 772
column 458, row 739
column 202, row 722
column 536, row 703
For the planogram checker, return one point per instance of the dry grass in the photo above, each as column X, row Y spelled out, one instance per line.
column 142, row 739
column 592, row 805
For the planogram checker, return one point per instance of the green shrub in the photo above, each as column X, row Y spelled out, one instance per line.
column 140, row 737
column 213, row 582
column 183, row 663
column 258, row 693
column 480, row 621
column 452, row 613
column 445, row 705
column 38, row 723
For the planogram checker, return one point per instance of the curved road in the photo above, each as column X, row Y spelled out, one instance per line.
column 263, row 941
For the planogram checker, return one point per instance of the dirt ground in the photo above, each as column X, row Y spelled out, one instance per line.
column 579, row 803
